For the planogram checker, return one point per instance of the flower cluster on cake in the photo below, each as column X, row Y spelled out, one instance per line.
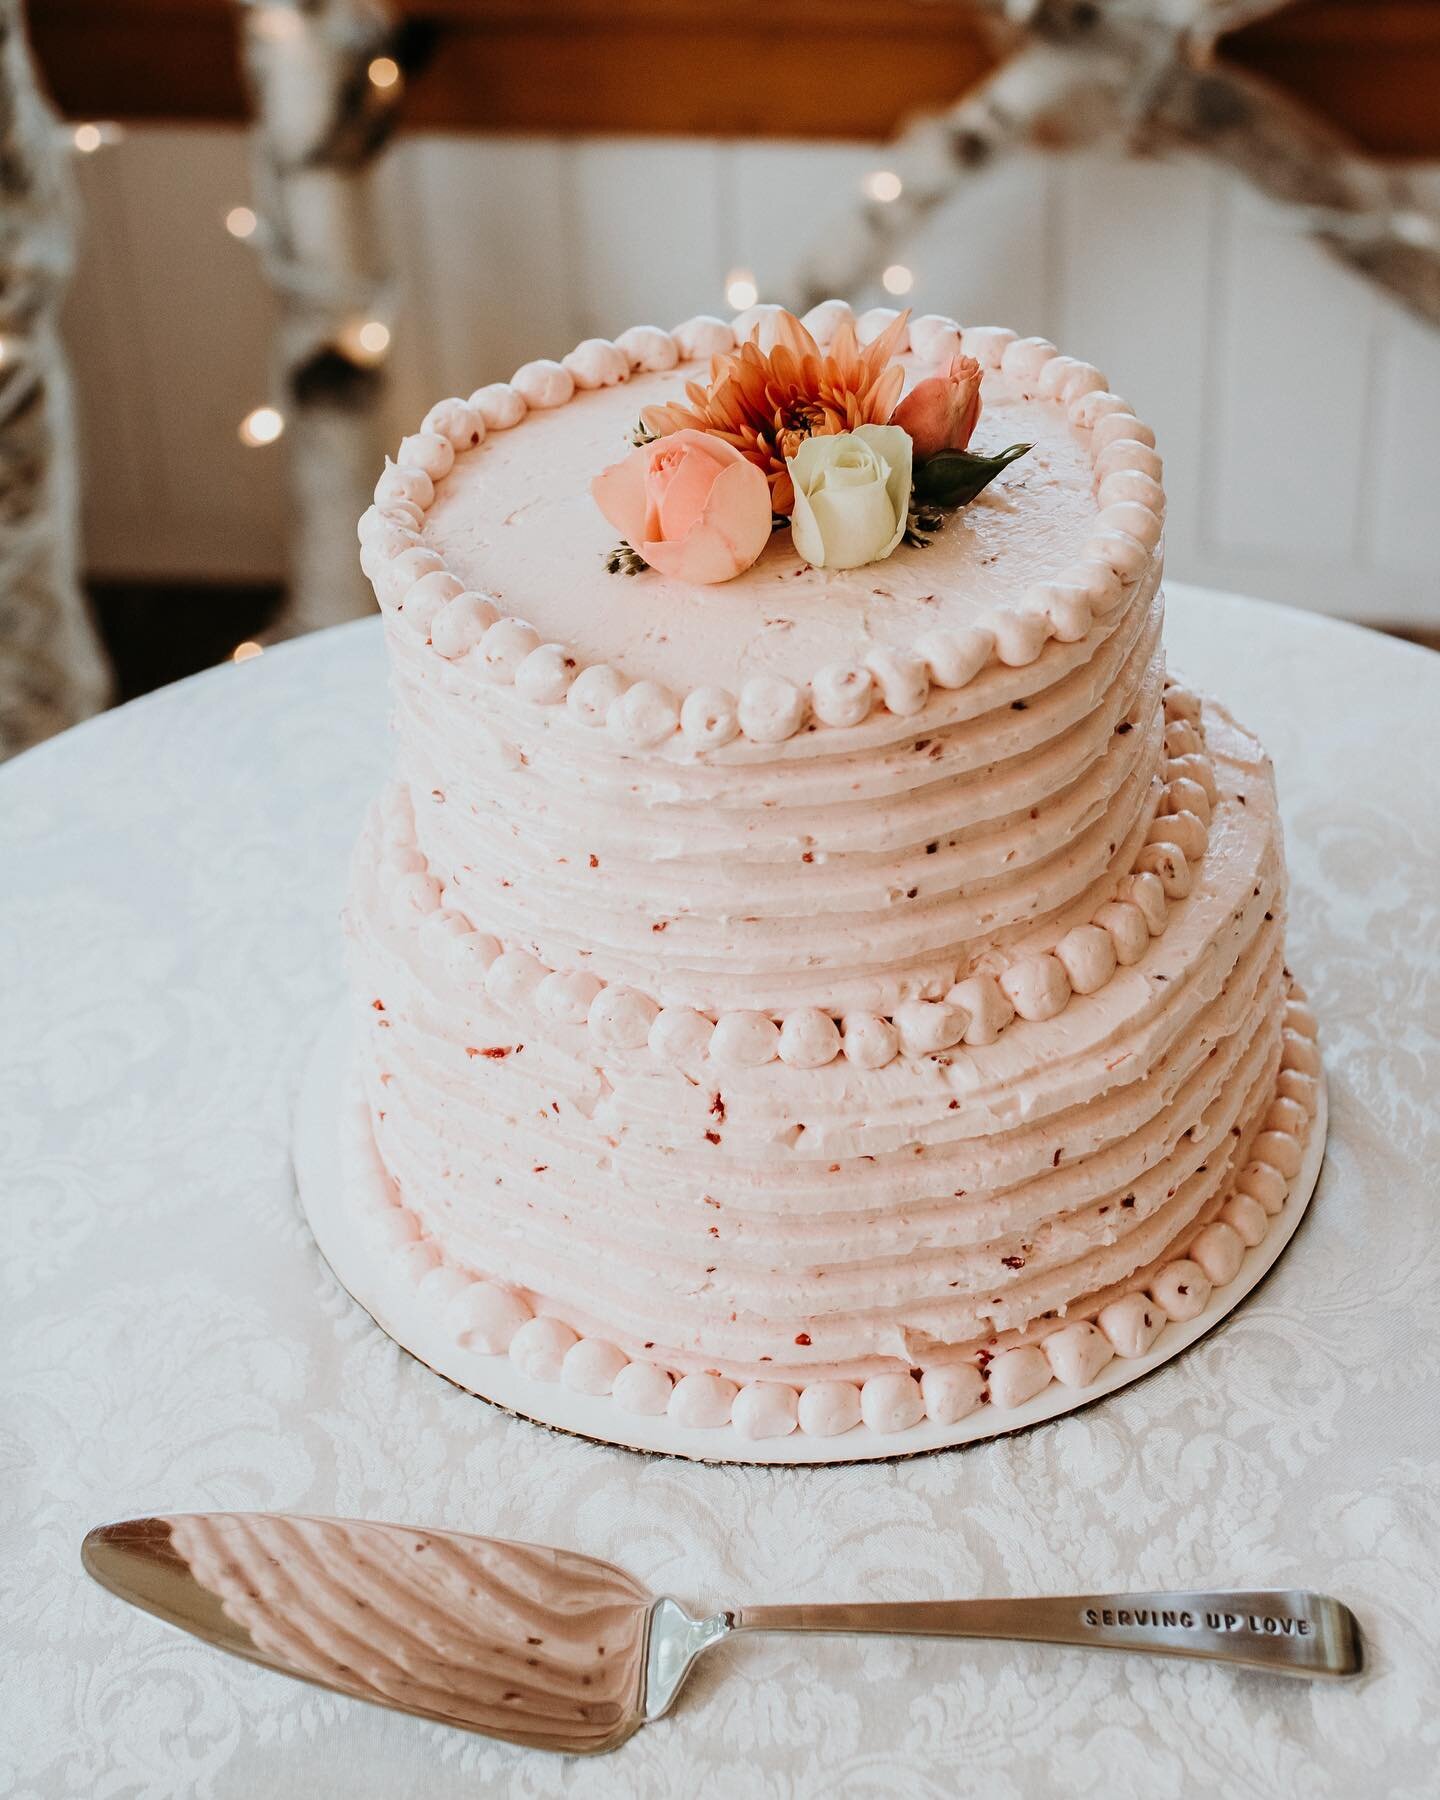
column 790, row 434
column 835, row 980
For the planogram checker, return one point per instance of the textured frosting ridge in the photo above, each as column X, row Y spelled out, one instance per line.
column 891, row 1026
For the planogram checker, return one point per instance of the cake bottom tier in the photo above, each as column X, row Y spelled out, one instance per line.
column 774, row 1245
column 462, row 1326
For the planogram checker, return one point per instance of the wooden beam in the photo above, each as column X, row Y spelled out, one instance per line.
column 140, row 59
column 1372, row 67
column 744, row 68
column 727, row 68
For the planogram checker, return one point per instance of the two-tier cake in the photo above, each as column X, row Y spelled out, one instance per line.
column 811, row 966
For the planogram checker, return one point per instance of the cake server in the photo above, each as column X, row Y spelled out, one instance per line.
column 564, row 1652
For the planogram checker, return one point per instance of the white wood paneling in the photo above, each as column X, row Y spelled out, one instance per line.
column 413, row 367
column 1401, row 524
column 1136, row 247
column 986, row 257
column 1294, row 404
column 644, row 229
column 485, row 242
column 1291, row 372
column 114, row 405
column 169, row 323
column 783, row 201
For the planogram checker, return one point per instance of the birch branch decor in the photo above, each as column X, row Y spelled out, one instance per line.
column 326, row 84
column 1145, row 73
column 52, row 671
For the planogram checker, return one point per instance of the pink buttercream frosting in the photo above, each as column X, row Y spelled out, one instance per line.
column 973, row 1223
column 827, row 997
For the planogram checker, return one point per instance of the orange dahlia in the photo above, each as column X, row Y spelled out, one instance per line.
column 766, row 403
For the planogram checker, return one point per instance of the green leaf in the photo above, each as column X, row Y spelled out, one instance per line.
column 955, row 477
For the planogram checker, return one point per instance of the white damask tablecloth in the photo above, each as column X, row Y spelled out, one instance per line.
column 169, row 1338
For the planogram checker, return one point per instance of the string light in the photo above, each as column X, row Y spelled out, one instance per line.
column 897, row 279
column 740, row 289
column 94, row 135
column 365, row 340
column 247, row 651
column 262, row 426
column 883, row 185
column 240, row 222
column 384, row 72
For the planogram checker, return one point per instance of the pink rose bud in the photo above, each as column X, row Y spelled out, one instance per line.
column 690, row 504
column 941, row 412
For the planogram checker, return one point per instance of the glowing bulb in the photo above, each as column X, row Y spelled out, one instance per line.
column 262, row 426
column 384, row 72
column 88, row 139
column 247, row 651
column 898, row 279
column 240, row 222
column 6, row 352
column 883, row 185
column 365, row 340
column 740, row 289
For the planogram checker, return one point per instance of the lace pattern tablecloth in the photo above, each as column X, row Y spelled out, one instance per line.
column 170, row 1340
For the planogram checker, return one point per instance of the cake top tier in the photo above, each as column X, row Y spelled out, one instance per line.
column 494, row 497
column 515, row 519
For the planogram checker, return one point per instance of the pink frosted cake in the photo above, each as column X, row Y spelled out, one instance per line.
column 812, row 965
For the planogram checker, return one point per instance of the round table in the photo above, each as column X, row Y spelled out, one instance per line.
column 172, row 1341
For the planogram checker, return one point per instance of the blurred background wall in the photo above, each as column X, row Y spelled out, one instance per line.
column 564, row 168
column 1296, row 405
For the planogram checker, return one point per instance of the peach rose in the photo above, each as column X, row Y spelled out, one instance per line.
column 690, row 504
column 941, row 412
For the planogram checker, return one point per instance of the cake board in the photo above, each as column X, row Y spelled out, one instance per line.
column 374, row 1282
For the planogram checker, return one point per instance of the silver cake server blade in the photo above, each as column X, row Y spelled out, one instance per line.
column 558, row 1651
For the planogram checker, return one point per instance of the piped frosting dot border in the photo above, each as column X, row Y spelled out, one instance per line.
column 1036, row 985
column 465, row 627
column 494, row 1320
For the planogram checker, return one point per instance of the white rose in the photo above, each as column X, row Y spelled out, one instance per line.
column 852, row 496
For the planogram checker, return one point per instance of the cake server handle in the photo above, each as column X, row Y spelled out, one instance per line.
column 1286, row 1631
